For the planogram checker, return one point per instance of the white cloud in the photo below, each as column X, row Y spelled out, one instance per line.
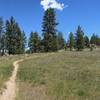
column 52, row 4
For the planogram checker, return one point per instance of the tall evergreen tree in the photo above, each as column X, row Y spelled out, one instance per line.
column 2, row 37
column 79, row 39
column 1, row 28
column 49, row 31
column 86, row 41
column 93, row 39
column 34, row 42
column 97, row 40
column 23, row 43
column 71, row 41
column 61, row 41
column 13, row 37
column 10, row 32
column 18, row 40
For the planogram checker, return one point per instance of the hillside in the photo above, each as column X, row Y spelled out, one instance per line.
column 60, row 76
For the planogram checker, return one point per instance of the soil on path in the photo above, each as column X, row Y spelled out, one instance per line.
column 10, row 91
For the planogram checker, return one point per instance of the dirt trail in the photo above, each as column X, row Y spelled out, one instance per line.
column 10, row 91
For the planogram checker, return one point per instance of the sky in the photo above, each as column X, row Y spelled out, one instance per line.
column 69, row 14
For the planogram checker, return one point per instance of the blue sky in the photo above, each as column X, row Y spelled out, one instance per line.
column 29, row 15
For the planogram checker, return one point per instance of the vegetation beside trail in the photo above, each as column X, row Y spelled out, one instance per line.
column 60, row 76
column 6, row 68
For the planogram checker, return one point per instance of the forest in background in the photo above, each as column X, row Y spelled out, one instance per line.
column 13, row 40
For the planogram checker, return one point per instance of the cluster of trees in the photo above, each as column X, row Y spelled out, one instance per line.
column 80, row 41
column 36, row 44
column 51, row 40
column 13, row 39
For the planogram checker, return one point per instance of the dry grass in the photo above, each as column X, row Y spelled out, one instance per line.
column 60, row 76
column 32, row 93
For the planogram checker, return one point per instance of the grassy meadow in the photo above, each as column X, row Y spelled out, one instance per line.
column 60, row 76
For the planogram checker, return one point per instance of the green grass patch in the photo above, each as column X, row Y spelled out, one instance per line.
column 65, row 76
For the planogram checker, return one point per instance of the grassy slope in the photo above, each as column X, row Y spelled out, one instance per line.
column 61, row 76
column 6, row 68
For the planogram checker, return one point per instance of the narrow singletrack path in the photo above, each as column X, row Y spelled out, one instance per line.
column 11, row 87
column 10, row 91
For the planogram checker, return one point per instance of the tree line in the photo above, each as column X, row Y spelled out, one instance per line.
column 80, row 41
column 13, row 39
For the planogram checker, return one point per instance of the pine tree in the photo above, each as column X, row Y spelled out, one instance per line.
column 23, row 43
column 2, row 37
column 79, row 39
column 97, row 40
column 10, row 31
column 86, row 42
column 93, row 39
column 49, row 31
column 61, row 41
column 18, row 40
column 71, row 41
column 34, row 42
column 13, row 37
